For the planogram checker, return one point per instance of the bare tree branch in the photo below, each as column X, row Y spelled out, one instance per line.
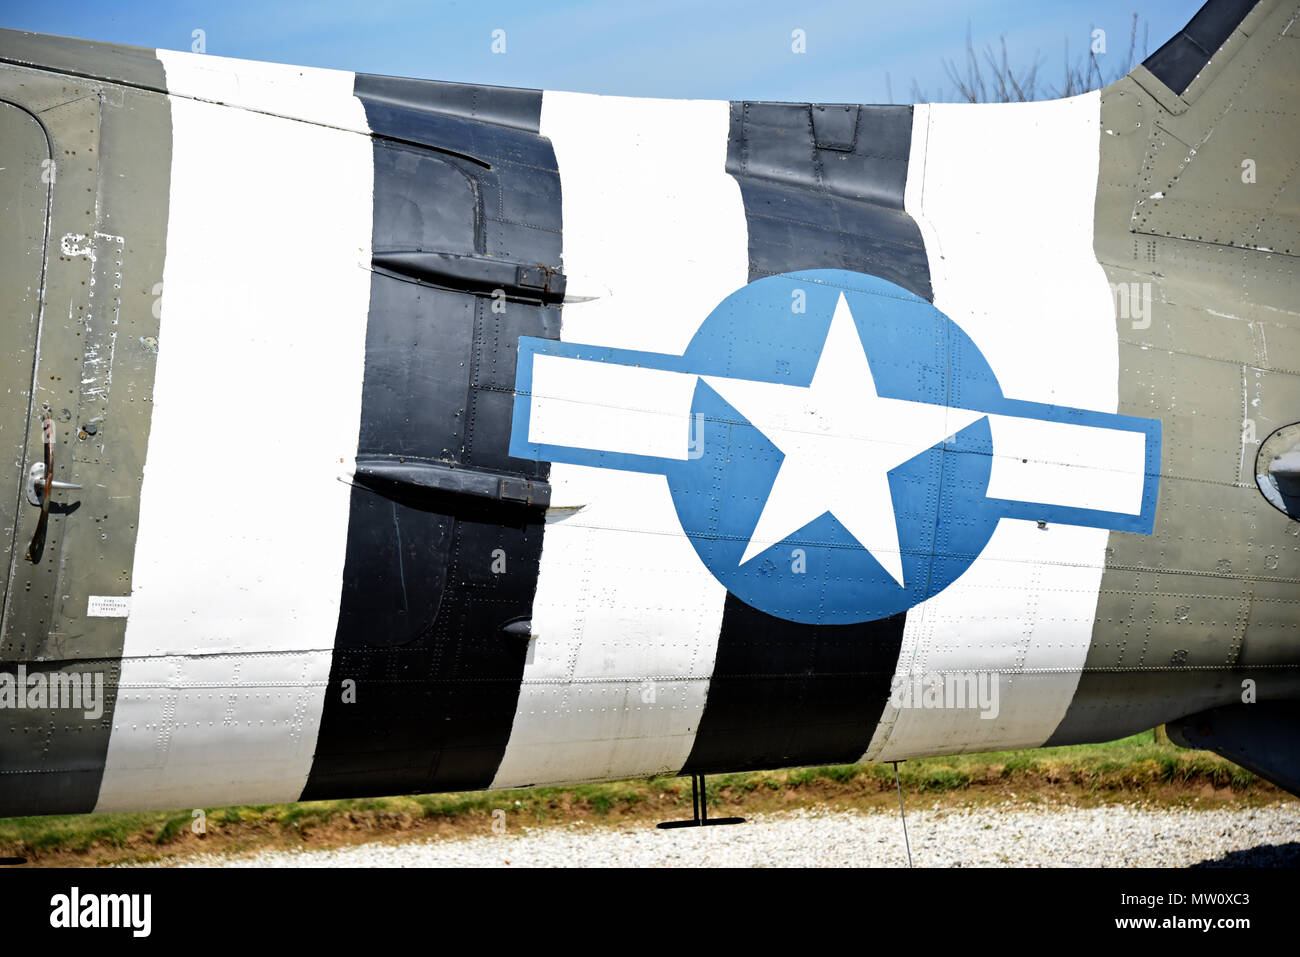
column 989, row 77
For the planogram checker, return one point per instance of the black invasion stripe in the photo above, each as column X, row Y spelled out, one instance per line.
column 822, row 188
column 425, row 679
column 1177, row 63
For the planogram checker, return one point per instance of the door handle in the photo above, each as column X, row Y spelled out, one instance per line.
column 39, row 486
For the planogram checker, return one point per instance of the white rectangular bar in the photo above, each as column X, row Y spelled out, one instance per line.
column 1059, row 463
column 579, row 403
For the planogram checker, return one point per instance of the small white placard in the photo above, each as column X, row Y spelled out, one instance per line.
column 108, row 606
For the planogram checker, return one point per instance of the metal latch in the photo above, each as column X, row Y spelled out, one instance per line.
column 36, row 484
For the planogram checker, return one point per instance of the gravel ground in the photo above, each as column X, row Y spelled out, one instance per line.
column 1119, row 836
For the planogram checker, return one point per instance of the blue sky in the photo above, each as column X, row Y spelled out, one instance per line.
column 738, row 49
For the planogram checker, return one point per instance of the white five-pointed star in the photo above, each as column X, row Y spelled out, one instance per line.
column 840, row 439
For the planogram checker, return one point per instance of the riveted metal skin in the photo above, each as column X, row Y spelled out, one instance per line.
column 93, row 299
column 1209, row 599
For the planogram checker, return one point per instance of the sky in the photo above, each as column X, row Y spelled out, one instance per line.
column 859, row 52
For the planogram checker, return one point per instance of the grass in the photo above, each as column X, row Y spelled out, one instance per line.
column 1138, row 767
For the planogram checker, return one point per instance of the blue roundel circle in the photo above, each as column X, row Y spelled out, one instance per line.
column 775, row 331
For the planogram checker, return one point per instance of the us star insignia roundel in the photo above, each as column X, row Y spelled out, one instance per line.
column 836, row 448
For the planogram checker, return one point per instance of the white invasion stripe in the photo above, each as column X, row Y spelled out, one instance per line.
column 1008, row 233
column 236, row 582
column 1061, row 463
column 626, row 615
column 298, row 92
column 1021, row 280
column 650, row 215
column 614, row 408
